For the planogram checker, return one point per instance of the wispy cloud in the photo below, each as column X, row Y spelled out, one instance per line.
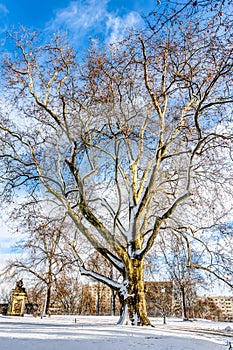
column 117, row 27
column 81, row 15
column 3, row 13
column 85, row 18
column 3, row 10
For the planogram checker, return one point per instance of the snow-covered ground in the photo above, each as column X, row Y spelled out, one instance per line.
column 102, row 333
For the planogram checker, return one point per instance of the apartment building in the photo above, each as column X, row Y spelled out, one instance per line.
column 215, row 307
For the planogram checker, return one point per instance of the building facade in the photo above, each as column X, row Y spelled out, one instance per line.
column 214, row 307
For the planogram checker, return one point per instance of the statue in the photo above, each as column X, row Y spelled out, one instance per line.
column 18, row 300
column 19, row 287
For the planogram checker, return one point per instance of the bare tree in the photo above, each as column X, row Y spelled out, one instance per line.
column 42, row 252
column 123, row 139
column 185, row 280
column 169, row 258
column 67, row 293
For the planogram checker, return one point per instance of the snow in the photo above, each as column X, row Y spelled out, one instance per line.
column 102, row 333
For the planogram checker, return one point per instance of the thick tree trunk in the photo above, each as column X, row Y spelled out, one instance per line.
column 133, row 296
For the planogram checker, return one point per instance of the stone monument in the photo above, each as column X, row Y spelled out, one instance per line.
column 18, row 300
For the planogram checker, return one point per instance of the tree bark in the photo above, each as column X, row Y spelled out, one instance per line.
column 133, row 297
column 113, row 303
column 48, row 298
column 184, row 311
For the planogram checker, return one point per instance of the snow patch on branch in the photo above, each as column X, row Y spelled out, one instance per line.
column 116, row 262
column 107, row 281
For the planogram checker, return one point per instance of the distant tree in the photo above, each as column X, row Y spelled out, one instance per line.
column 67, row 292
column 36, row 295
column 159, row 296
column 5, row 294
column 126, row 140
column 41, row 254
column 185, row 280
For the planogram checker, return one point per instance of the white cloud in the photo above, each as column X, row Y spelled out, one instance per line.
column 117, row 27
column 85, row 18
column 81, row 15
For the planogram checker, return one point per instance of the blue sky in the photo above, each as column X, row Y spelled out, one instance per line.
column 84, row 18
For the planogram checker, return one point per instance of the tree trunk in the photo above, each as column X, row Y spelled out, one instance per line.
column 48, row 298
column 97, row 310
column 184, row 310
column 132, row 297
column 113, row 303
